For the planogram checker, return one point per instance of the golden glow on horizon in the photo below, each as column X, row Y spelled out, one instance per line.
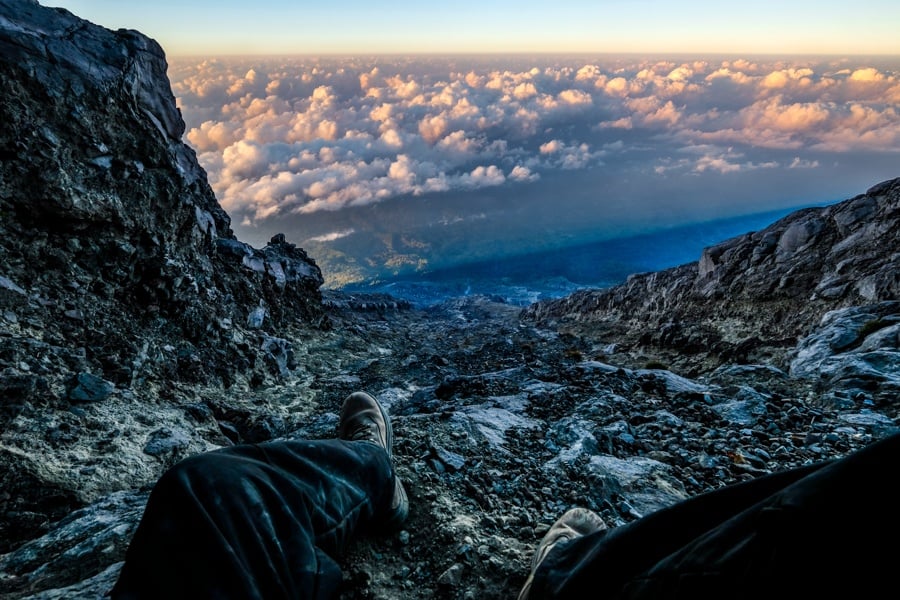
column 232, row 27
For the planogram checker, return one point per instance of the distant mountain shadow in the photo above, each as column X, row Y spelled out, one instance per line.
column 527, row 278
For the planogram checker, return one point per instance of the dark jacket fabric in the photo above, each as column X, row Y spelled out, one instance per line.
column 256, row 521
column 825, row 530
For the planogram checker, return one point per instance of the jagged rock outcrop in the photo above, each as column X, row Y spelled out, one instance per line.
column 856, row 349
column 119, row 273
column 750, row 298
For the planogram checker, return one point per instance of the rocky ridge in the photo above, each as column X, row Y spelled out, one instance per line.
column 120, row 276
column 750, row 297
column 136, row 330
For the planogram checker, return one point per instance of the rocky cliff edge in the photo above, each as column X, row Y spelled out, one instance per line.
column 751, row 298
column 119, row 272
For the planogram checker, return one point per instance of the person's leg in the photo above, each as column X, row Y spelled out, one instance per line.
column 261, row 521
column 813, row 528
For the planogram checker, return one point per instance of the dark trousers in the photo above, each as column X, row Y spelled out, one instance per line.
column 830, row 530
column 256, row 521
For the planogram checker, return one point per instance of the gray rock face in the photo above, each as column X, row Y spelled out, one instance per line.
column 751, row 298
column 85, row 387
column 118, row 279
column 124, row 61
column 855, row 350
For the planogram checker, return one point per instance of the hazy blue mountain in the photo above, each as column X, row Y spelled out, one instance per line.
column 554, row 273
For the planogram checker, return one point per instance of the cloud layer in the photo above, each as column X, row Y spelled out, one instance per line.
column 304, row 135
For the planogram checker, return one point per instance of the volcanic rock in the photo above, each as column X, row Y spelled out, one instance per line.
column 749, row 299
column 120, row 276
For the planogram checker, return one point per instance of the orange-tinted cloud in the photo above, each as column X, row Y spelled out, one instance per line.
column 302, row 135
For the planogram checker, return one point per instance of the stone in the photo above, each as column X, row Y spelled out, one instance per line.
column 165, row 441
column 452, row 577
column 452, row 461
column 279, row 354
column 85, row 387
column 18, row 391
column 11, row 295
column 256, row 318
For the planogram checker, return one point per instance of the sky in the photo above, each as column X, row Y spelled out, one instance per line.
column 239, row 27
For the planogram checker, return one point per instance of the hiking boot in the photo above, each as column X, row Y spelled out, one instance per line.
column 363, row 420
column 576, row 522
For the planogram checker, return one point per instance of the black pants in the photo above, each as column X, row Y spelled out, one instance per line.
column 256, row 521
column 830, row 530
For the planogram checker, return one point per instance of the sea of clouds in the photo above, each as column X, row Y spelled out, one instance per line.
column 573, row 142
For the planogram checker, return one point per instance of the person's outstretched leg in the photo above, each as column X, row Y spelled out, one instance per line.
column 266, row 520
column 815, row 530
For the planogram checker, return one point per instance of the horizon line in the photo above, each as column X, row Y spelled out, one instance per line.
column 527, row 53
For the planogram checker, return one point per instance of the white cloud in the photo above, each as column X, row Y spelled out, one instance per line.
column 302, row 135
column 483, row 176
column 781, row 116
column 617, row 86
column 682, row 73
column 521, row 173
column 738, row 77
column 588, row 73
column 784, row 77
column 623, row 123
column 525, row 90
column 868, row 74
column 651, row 111
column 334, row 235
column 568, row 156
column 716, row 163
column 432, row 128
column 214, row 135
column 729, row 161
column 799, row 163
column 551, row 147
column 575, row 97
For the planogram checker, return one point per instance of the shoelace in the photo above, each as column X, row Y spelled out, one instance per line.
column 366, row 430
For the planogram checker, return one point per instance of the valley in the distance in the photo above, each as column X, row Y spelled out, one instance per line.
column 552, row 273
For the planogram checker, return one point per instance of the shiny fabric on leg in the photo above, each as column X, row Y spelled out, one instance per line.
column 256, row 521
column 815, row 531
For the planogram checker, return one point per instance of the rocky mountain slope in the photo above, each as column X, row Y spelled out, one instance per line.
column 750, row 297
column 120, row 275
column 136, row 330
